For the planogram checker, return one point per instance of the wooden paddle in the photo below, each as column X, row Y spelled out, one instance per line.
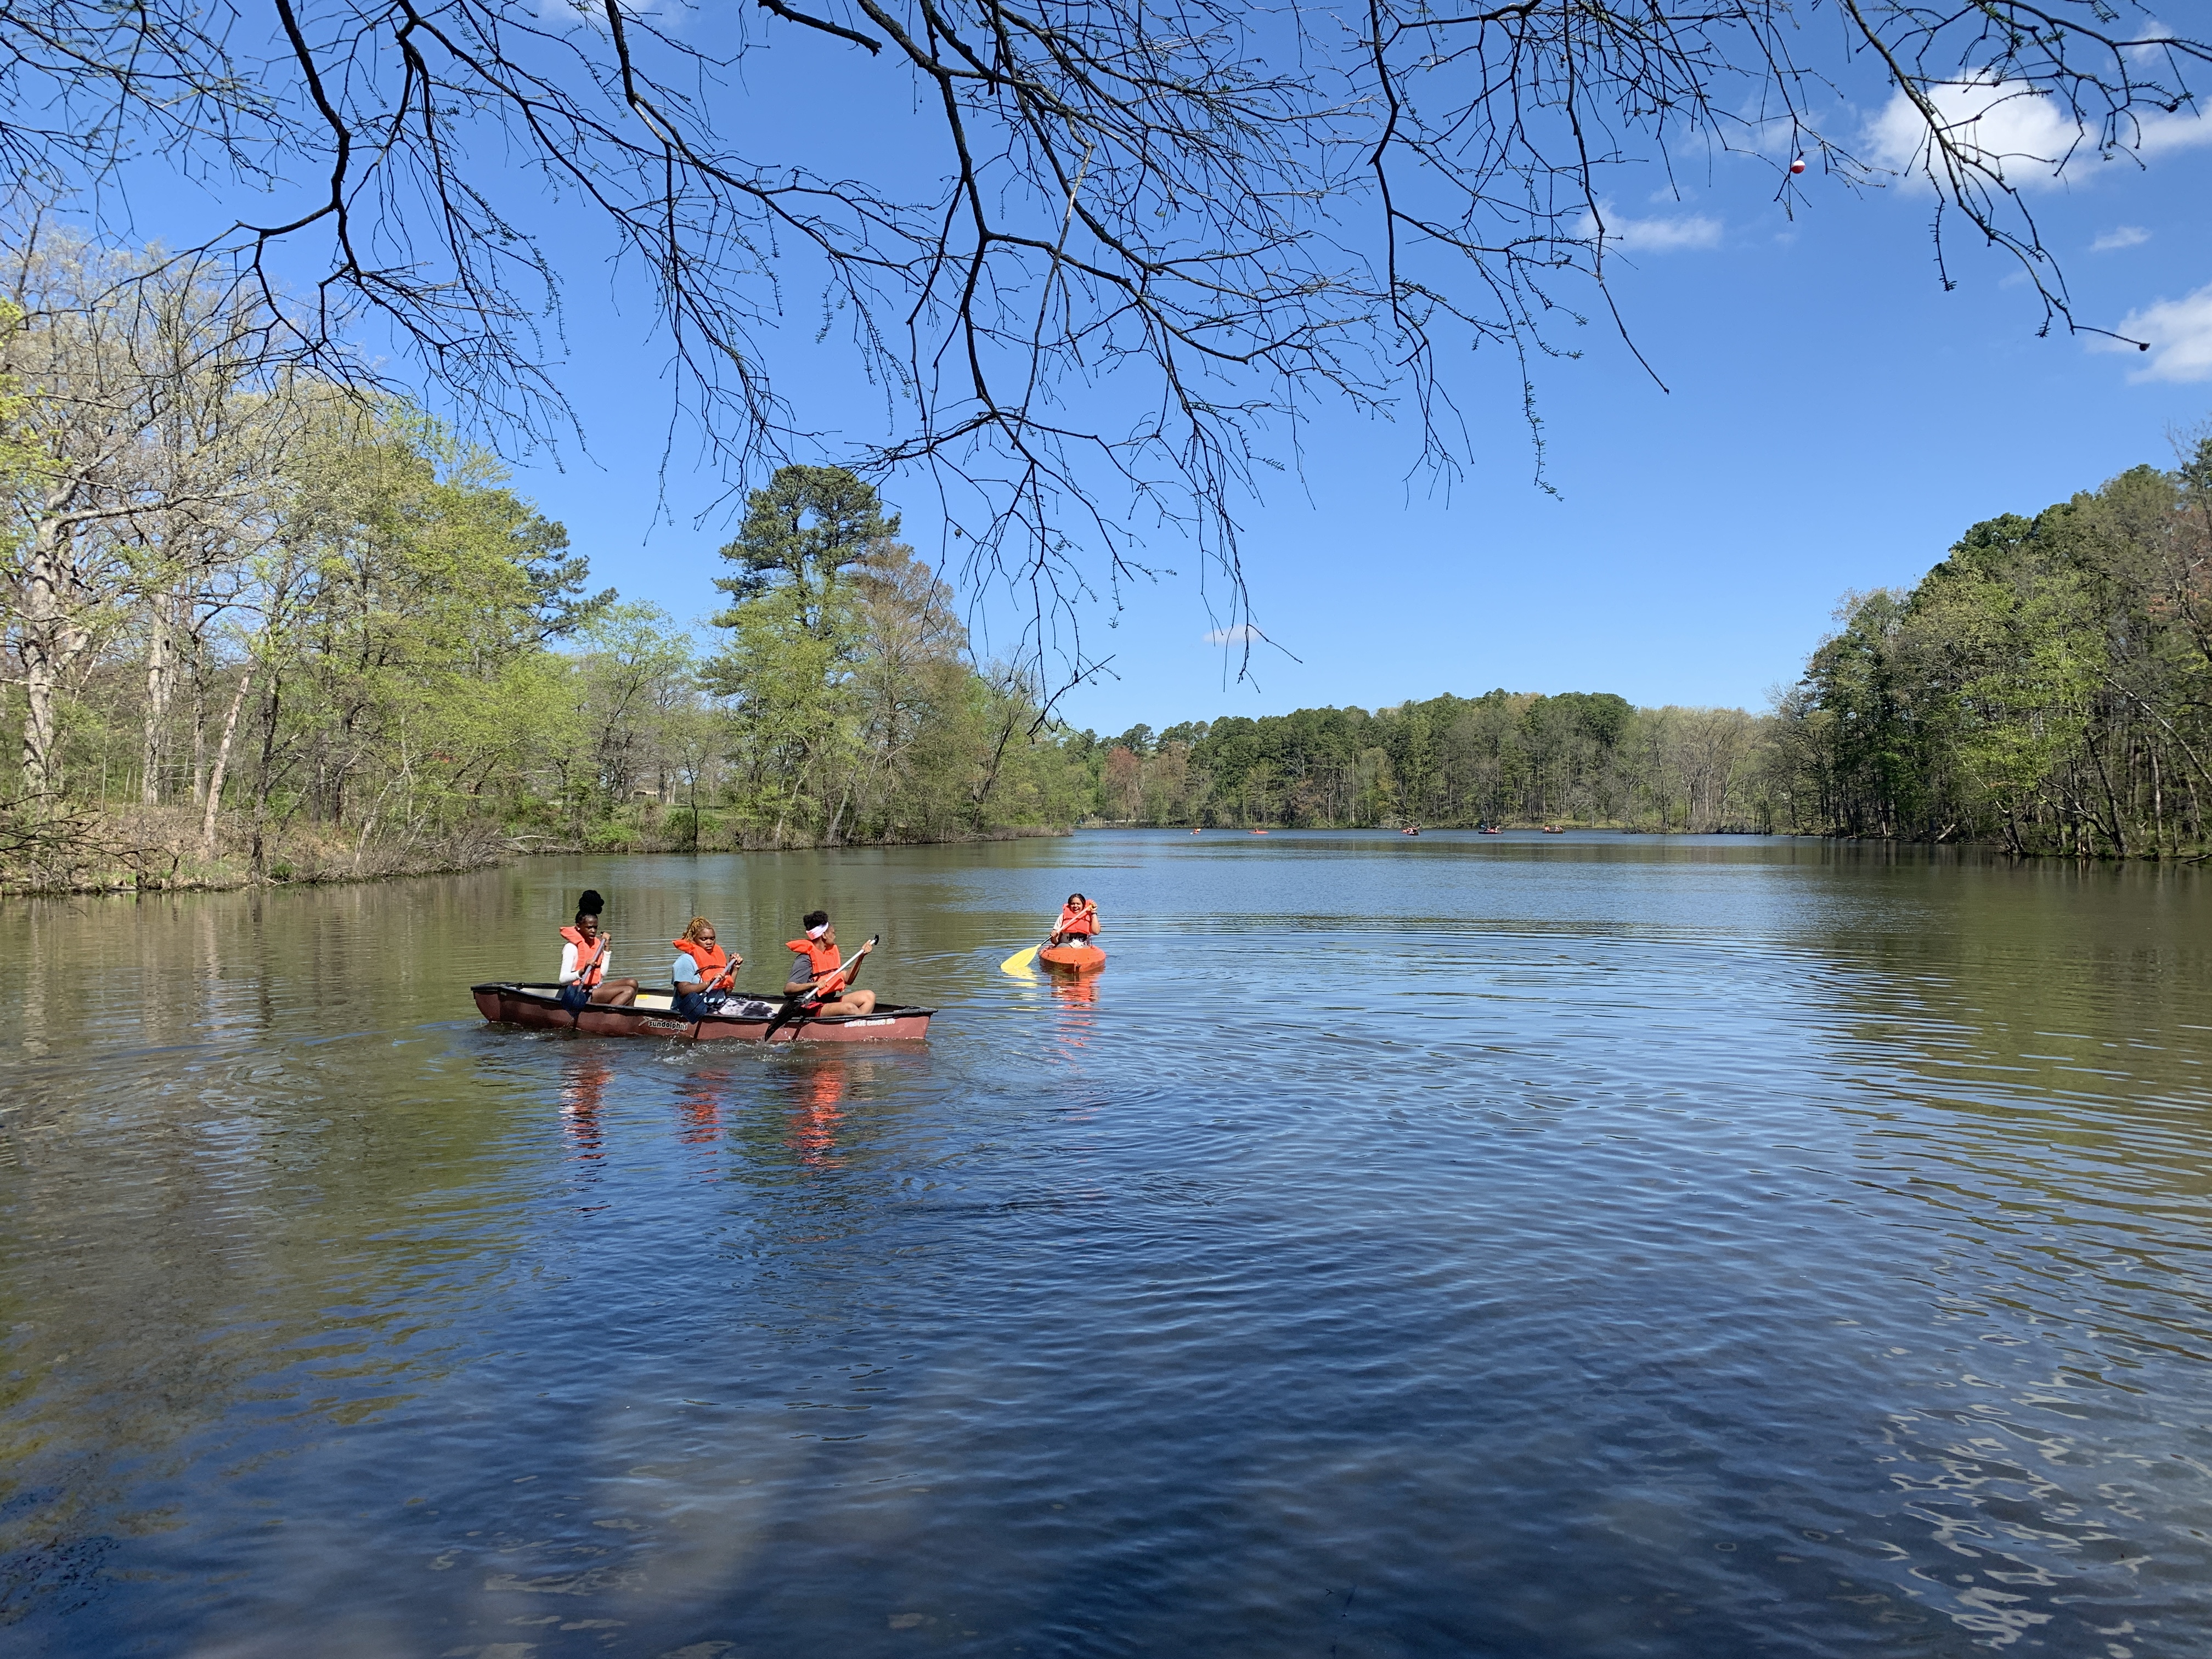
column 797, row 1005
column 576, row 1015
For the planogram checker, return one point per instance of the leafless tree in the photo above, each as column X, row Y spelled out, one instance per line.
column 146, row 404
column 1158, row 232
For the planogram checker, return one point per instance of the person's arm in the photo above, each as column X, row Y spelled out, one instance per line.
column 684, row 962
column 567, row 963
column 801, row 977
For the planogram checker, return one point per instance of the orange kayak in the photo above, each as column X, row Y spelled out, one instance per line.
column 1072, row 958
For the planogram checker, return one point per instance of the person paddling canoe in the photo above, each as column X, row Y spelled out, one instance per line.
column 814, row 970
column 1079, row 920
column 584, row 953
column 701, row 975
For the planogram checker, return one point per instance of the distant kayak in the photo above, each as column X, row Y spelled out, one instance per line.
column 652, row 1015
column 1072, row 958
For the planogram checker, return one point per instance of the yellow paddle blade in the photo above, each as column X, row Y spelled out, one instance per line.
column 1020, row 962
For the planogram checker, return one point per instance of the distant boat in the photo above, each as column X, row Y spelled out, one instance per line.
column 1259, row 832
column 1411, row 829
column 1553, row 829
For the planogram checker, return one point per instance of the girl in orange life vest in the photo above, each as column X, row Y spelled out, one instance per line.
column 583, row 955
column 1079, row 920
column 815, row 972
column 701, row 973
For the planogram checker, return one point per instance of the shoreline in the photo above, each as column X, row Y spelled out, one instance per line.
column 449, row 860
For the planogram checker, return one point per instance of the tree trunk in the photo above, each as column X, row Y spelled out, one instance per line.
column 50, row 641
column 223, row 764
column 159, row 657
column 199, row 728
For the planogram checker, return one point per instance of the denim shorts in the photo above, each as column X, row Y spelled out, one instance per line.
column 574, row 994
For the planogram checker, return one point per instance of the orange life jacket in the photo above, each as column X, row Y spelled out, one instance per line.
column 1075, row 919
column 709, row 958
column 821, row 963
column 590, row 959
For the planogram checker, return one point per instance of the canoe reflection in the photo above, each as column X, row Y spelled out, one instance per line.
column 699, row 1107
column 583, row 1093
column 820, row 1092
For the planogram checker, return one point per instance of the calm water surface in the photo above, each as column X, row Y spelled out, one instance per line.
column 1534, row 1247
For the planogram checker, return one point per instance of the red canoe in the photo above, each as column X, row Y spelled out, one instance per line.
column 1072, row 958
column 539, row 1008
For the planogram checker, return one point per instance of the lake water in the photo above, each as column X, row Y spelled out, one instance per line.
column 1523, row 1246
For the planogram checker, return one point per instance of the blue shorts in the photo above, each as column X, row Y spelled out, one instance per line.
column 697, row 1004
column 574, row 994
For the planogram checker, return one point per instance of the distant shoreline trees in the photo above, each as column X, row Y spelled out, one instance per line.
column 1503, row 757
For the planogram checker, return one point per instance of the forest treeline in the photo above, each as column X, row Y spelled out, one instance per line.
column 261, row 625
column 2047, row 688
column 1503, row 757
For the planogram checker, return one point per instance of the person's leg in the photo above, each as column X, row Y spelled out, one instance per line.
column 853, row 1002
column 616, row 993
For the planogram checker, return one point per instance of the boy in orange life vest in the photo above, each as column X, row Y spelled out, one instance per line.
column 1079, row 920
column 584, row 962
column 814, row 969
column 701, row 973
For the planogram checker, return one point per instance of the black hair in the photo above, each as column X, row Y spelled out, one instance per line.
column 590, row 904
column 1077, row 898
column 815, row 919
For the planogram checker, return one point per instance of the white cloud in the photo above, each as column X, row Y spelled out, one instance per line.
column 1243, row 634
column 1653, row 236
column 2024, row 134
column 2120, row 236
column 2179, row 334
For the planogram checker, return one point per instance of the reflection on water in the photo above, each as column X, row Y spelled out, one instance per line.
column 1530, row 1246
column 817, row 1087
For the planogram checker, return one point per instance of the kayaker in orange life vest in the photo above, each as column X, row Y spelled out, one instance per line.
column 1079, row 920
column 701, row 973
column 584, row 953
column 814, row 970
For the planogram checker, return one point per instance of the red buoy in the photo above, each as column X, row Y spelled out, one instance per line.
column 1797, row 166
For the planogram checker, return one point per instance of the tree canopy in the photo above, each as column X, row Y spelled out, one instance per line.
column 1130, row 244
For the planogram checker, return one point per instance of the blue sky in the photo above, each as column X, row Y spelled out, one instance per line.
column 1834, row 420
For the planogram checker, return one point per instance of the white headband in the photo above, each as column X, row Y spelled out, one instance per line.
column 817, row 933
